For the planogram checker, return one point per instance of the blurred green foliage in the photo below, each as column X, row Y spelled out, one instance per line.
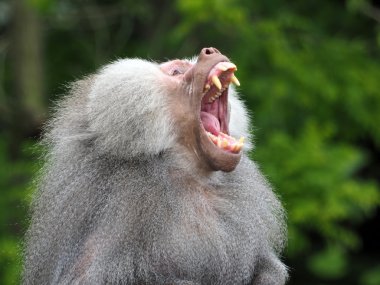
column 15, row 185
column 310, row 75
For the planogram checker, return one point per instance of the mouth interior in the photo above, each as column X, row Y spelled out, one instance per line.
column 214, row 107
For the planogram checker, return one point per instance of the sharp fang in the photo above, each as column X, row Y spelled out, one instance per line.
column 235, row 80
column 217, row 82
column 207, row 86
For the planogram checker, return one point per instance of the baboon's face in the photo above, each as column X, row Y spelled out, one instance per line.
column 199, row 101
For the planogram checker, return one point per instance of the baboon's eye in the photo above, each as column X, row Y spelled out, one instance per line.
column 176, row 72
column 175, row 67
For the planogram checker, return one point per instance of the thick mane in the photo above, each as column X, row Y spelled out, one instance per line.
column 128, row 110
column 116, row 112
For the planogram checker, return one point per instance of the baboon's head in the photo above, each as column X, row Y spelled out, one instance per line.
column 138, row 107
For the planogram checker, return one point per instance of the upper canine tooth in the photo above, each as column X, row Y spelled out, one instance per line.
column 216, row 81
column 235, row 80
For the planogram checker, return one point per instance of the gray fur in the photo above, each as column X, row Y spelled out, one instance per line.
column 117, row 206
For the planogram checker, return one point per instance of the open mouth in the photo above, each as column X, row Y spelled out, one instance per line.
column 214, row 107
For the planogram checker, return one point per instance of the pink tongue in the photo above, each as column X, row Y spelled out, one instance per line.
column 210, row 123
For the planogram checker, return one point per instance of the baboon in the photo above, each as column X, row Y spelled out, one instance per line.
column 147, row 182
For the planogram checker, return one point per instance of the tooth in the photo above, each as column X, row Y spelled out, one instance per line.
column 241, row 140
column 207, row 86
column 224, row 143
column 235, row 80
column 211, row 136
column 216, row 81
column 218, row 142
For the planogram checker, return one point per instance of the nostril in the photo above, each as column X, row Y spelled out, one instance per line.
column 207, row 52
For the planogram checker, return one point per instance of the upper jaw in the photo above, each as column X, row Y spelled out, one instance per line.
column 196, row 74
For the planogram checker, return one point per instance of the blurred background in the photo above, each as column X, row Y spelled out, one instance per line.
column 309, row 73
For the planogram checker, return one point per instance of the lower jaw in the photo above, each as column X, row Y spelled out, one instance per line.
column 217, row 158
column 226, row 142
